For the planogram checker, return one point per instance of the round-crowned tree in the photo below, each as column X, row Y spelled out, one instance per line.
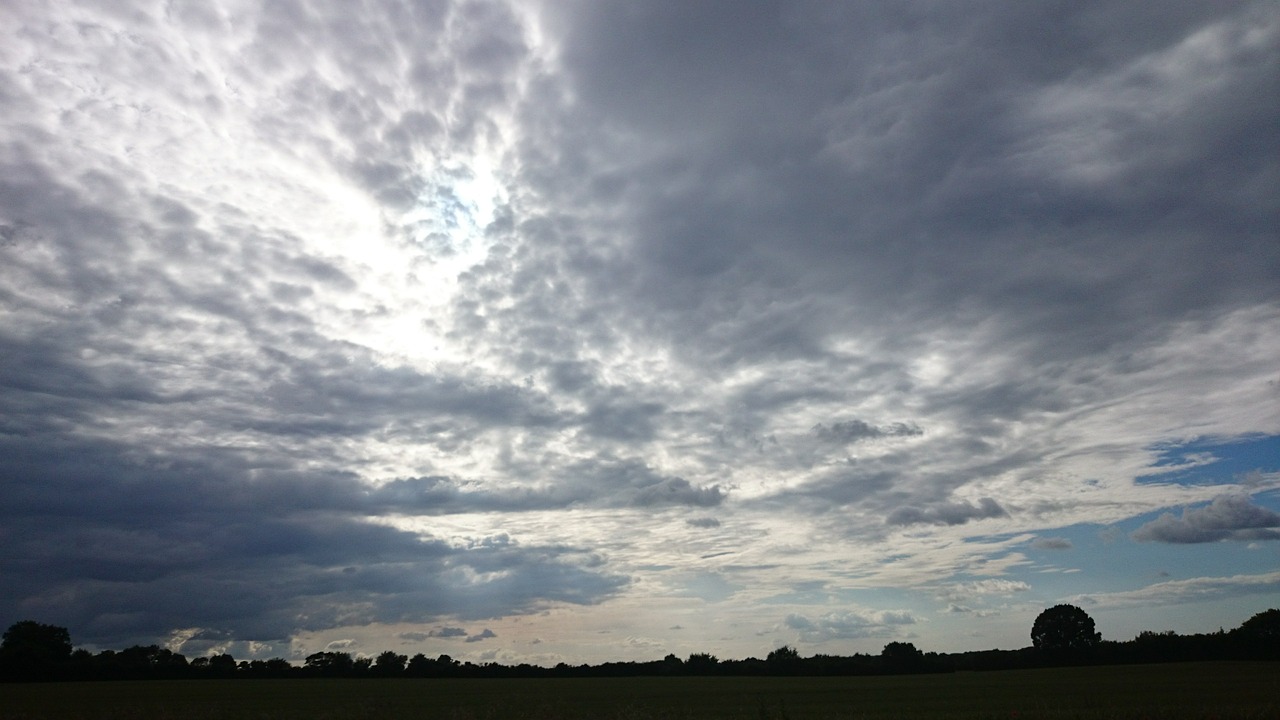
column 1259, row 636
column 34, row 651
column 783, row 661
column 901, row 657
column 1264, row 626
column 1064, row 627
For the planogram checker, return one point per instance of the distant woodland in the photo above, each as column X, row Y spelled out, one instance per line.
column 1062, row 635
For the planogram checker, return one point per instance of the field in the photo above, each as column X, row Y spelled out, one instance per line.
column 1191, row 690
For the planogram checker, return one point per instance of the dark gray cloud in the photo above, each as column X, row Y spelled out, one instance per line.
column 119, row 546
column 898, row 170
column 1051, row 543
column 851, row 431
column 1228, row 517
column 637, row 484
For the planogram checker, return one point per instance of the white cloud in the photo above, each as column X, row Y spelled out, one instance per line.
column 845, row 625
column 994, row 586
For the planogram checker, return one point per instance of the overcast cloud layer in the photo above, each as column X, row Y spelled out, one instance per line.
column 588, row 331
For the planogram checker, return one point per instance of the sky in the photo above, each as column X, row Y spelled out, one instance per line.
column 588, row 331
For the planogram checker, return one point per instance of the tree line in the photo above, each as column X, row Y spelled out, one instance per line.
column 1061, row 635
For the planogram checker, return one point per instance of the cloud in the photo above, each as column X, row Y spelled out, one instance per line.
column 850, row 431
column 634, row 483
column 977, row 176
column 956, row 609
column 1228, row 517
column 847, row 625
column 1051, row 543
column 643, row 643
column 481, row 636
column 597, row 483
column 969, row 598
column 994, row 586
column 1175, row 592
column 946, row 513
column 678, row 491
column 709, row 587
column 703, row 522
column 256, row 558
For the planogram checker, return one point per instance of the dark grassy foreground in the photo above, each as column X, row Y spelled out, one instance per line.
column 1189, row 690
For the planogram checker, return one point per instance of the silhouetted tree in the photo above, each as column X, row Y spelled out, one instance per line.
column 34, row 651
column 1259, row 636
column 447, row 666
column 389, row 664
column 1263, row 626
column 701, row 664
column 419, row 666
column 82, row 665
column 329, row 664
column 141, row 662
column 900, row 657
column 1064, row 628
column 1060, row 634
column 222, row 665
column 1150, row 646
column 273, row 668
column 783, row 661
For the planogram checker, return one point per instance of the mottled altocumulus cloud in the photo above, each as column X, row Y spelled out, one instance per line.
column 447, row 316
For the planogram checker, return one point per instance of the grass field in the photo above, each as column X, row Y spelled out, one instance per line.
column 1194, row 690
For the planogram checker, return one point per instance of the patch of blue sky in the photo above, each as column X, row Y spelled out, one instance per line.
column 879, row 598
column 806, row 593
column 1105, row 559
column 1214, row 461
column 1269, row 499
